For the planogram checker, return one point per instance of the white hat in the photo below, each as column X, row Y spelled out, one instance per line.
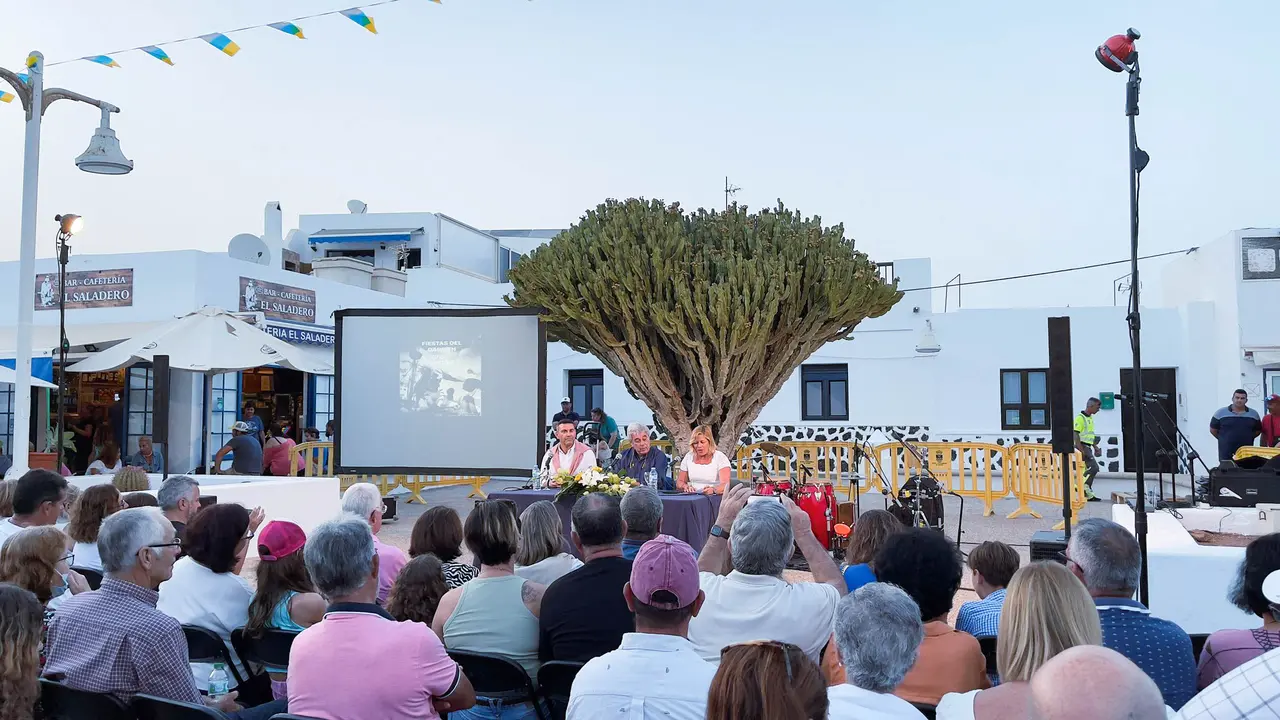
column 1271, row 587
column 242, row 426
column 565, row 400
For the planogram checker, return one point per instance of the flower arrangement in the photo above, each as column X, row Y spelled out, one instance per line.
column 591, row 480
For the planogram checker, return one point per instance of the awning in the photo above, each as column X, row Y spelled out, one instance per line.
column 1269, row 358
column 41, row 369
column 380, row 236
column 44, row 338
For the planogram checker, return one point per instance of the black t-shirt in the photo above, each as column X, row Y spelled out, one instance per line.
column 584, row 614
column 571, row 415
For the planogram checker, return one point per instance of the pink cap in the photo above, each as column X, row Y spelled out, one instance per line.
column 280, row 539
column 665, row 564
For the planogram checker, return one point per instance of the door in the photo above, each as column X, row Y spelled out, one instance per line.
column 1159, row 419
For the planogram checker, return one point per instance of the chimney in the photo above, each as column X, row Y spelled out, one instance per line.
column 273, row 232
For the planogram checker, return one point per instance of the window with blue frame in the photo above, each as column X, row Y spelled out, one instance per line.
column 226, row 407
column 6, row 418
column 141, row 389
column 322, row 409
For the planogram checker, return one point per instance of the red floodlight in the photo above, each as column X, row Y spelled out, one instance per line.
column 1117, row 52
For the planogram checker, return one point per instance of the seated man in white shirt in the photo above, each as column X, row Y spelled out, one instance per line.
column 753, row 601
column 655, row 674
column 567, row 454
column 878, row 635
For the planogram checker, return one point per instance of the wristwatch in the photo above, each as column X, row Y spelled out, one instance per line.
column 717, row 531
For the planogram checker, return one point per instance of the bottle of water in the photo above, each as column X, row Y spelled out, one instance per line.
column 536, row 478
column 219, row 683
column 651, row 478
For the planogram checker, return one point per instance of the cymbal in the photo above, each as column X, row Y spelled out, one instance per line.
column 775, row 449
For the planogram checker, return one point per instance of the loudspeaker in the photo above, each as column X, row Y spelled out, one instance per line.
column 160, row 401
column 1061, row 412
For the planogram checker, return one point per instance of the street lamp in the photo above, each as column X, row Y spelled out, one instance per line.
column 68, row 225
column 1118, row 54
column 102, row 157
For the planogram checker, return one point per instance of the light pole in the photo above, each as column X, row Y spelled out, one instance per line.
column 68, row 225
column 103, row 157
column 1117, row 54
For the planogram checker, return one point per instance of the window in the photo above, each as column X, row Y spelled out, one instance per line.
column 1259, row 258
column 6, row 418
column 412, row 258
column 824, row 392
column 322, row 409
column 885, row 270
column 226, row 408
column 362, row 255
column 586, row 390
column 506, row 260
column 1024, row 399
column 141, row 395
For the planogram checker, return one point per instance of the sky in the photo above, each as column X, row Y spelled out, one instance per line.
column 983, row 135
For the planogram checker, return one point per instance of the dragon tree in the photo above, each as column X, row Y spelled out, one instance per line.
column 704, row 315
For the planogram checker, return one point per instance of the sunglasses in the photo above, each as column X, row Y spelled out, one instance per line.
column 786, row 648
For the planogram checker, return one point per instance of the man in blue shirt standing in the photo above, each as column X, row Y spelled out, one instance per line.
column 993, row 565
column 1105, row 557
column 1235, row 425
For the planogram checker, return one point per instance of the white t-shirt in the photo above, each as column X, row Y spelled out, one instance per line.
column 742, row 607
column 702, row 476
column 8, row 530
column 848, row 702
column 102, row 468
column 548, row 570
column 195, row 595
column 86, row 556
column 657, row 677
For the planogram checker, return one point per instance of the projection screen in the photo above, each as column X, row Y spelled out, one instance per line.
column 439, row 392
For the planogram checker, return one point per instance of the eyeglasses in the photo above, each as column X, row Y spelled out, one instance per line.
column 786, row 648
column 69, row 558
column 173, row 543
column 1062, row 558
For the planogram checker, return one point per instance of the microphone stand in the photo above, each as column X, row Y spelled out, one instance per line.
column 917, row 512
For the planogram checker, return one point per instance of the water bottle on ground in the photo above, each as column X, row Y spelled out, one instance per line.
column 219, row 683
column 651, row 478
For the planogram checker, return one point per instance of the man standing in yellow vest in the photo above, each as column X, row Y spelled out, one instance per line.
column 1087, row 444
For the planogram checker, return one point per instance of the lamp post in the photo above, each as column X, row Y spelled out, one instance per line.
column 1118, row 54
column 102, row 157
column 68, row 225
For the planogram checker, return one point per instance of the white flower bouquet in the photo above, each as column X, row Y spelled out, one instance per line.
column 591, row 480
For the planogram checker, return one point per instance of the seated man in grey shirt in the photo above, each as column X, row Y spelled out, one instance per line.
column 248, row 453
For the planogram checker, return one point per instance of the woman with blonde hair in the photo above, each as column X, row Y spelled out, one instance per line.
column 37, row 560
column 541, row 541
column 131, row 479
column 704, row 469
column 1046, row 611
column 20, row 639
column 91, row 508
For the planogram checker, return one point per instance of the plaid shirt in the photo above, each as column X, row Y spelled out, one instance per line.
column 1249, row 692
column 981, row 618
column 114, row 641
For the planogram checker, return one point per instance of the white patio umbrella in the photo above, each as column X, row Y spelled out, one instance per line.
column 8, row 376
column 209, row 341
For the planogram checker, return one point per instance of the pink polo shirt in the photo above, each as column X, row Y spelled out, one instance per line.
column 359, row 663
column 391, row 560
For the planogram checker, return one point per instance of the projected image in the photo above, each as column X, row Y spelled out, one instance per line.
column 441, row 378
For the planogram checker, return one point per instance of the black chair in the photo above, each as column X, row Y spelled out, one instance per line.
column 204, row 646
column 930, row 712
column 555, row 679
column 988, row 645
column 62, row 703
column 149, row 707
column 498, row 678
column 272, row 649
column 93, row 577
column 1197, row 644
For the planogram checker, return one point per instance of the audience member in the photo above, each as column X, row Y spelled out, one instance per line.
column 1049, row 611
column 278, row 450
column 245, row 448
column 418, row 590
column 285, row 598
column 704, row 469
column 1088, row 682
column 365, row 501
column 139, row 499
column 642, row 512
column 108, row 462
column 131, row 479
column 878, row 635
column 655, row 674
column 6, row 498
column 753, row 601
column 64, row 517
column 39, row 497
column 927, row 566
column 20, row 641
column 636, row 461
column 438, row 531
column 179, row 498
column 497, row 613
column 991, row 564
column 540, row 557
column 1256, row 590
column 869, row 533
column 1105, row 557
column 148, row 457
column 205, row 588
column 764, row 680
column 1247, row 692
column 585, row 613
column 114, row 640
column 359, row 662
column 37, row 560
column 91, row 508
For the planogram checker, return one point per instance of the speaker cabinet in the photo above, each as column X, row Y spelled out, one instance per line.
column 1061, row 412
column 160, row 401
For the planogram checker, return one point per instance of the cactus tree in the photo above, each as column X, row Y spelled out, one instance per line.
column 704, row 315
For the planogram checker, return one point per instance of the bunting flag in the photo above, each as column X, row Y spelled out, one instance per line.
column 157, row 53
column 102, row 60
column 357, row 16
column 289, row 29
column 222, row 42
column 7, row 97
column 25, row 78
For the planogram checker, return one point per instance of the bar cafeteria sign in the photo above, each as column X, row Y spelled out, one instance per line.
column 281, row 302
column 86, row 289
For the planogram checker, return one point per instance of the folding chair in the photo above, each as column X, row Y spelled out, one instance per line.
column 150, row 707
column 555, row 680
column 498, row 678
column 63, row 703
column 930, row 712
column 204, row 646
column 271, row 650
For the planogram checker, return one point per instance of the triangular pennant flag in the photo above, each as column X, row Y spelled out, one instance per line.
column 222, row 42
column 289, row 28
column 157, row 53
column 7, row 97
column 358, row 17
column 102, row 60
column 25, row 78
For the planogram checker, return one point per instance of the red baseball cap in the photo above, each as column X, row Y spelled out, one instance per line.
column 666, row 564
column 280, row 539
column 1273, row 398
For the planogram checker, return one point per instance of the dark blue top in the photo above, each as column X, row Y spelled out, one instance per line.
column 1235, row 430
column 855, row 576
column 631, row 465
column 1159, row 647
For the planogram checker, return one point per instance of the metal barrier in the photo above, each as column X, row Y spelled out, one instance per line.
column 317, row 460
column 1035, row 473
column 973, row 470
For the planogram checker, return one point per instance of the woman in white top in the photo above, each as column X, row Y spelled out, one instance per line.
column 705, row 469
column 92, row 507
column 1046, row 611
column 206, row 589
column 108, row 462
column 541, row 541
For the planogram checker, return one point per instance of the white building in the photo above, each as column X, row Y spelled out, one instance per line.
column 1205, row 333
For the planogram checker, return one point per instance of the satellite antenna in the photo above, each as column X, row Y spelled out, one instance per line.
column 249, row 248
column 357, row 207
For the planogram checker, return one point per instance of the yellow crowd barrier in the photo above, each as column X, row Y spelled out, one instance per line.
column 826, row 462
column 317, row 460
column 964, row 468
column 1035, row 473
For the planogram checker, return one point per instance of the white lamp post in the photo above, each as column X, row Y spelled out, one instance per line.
column 103, row 156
